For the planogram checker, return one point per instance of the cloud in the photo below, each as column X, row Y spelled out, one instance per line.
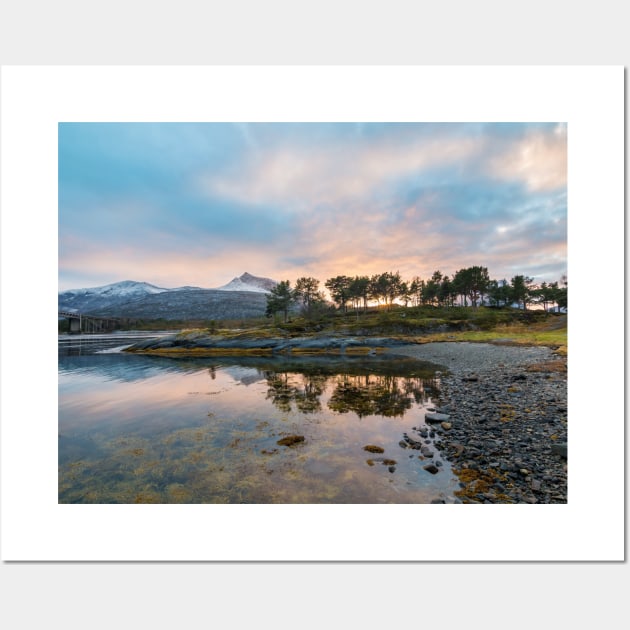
column 198, row 204
column 539, row 160
column 297, row 178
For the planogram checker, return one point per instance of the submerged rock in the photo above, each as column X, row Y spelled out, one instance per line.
column 290, row 440
column 371, row 448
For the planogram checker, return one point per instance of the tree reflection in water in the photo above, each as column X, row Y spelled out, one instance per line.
column 365, row 394
column 304, row 390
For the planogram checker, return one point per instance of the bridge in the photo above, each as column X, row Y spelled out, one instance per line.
column 80, row 323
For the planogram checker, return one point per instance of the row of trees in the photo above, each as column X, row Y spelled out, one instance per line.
column 470, row 286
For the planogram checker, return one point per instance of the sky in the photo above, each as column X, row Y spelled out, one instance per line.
column 196, row 204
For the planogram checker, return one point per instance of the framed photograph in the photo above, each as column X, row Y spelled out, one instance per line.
column 310, row 313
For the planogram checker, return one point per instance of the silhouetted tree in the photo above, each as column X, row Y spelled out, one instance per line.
column 431, row 289
column 521, row 288
column 446, row 294
column 307, row 291
column 472, row 283
column 339, row 288
column 562, row 293
column 360, row 290
column 415, row 290
column 499, row 293
column 280, row 299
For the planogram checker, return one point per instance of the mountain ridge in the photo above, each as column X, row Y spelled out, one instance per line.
column 244, row 296
column 248, row 282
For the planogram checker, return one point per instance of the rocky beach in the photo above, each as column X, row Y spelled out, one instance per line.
column 501, row 421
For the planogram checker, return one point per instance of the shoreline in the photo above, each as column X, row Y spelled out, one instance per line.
column 506, row 435
column 212, row 345
column 506, row 432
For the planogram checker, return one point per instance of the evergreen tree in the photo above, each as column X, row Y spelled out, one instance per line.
column 280, row 299
column 339, row 288
column 431, row 289
column 521, row 290
column 473, row 283
column 307, row 291
column 415, row 290
column 358, row 291
column 499, row 292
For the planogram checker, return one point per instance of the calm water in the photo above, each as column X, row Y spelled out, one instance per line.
column 142, row 429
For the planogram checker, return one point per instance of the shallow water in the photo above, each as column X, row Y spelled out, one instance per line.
column 143, row 429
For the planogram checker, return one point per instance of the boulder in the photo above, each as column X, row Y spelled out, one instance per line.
column 436, row 417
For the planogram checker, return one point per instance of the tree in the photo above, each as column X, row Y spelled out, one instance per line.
column 339, row 288
column 280, row 299
column 405, row 293
column 521, row 290
column 393, row 286
column 499, row 292
column 446, row 294
column 431, row 289
column 307, row 291
column 472, row 283
column 313, row 300
column 360, row 290
column 386, row 286
column 562, row 293
column 415, row 290
column 545, row 294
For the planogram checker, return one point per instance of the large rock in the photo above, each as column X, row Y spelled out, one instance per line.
column 436, row 417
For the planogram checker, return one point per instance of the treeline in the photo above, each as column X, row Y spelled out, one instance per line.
column 471, row 286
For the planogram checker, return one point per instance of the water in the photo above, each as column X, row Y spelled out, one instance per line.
column 144, row 429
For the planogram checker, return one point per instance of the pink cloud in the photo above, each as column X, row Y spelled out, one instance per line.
column 540, row 160
column 301, row 178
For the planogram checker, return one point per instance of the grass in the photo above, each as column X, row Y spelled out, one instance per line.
column 515, row 334
column 413, row 324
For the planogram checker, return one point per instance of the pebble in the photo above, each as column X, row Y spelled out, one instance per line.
column 517, row 434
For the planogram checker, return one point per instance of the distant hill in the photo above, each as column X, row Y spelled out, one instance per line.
column 247, row 282
column 91, row 299
column 241, row 298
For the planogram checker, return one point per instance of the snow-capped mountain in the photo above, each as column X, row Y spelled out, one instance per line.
column 126, row 288
column 247, row 282
column 243, row 297
column 85, row 300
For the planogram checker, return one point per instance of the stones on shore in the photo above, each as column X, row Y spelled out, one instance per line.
column 470, row 378
column 411, row 442
column 435, row 417
column 432, row 468
column 506, row 431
